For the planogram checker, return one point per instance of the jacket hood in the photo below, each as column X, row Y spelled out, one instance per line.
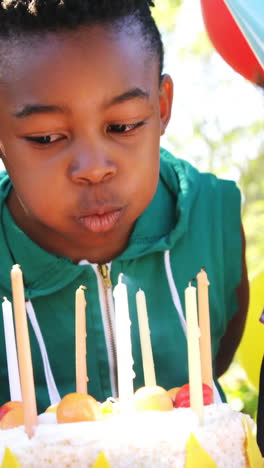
column 159, row 227
column 166, row 218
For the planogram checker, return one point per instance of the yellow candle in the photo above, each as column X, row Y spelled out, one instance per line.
column 204, row 323
column 24, row 352
column 144, row 332
column 80, row 341
column 194, row 361
column 123, row 346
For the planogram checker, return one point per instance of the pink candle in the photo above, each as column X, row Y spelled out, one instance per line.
column 204, row 323
column 80, row 341
column 24, row 352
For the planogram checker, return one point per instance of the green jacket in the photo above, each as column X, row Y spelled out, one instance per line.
column 192, row 221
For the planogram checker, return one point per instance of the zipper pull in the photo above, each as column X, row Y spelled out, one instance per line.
column 103, row 270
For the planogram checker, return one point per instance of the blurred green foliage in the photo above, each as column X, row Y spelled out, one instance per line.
column 240, row 394
column 165, row 13
column 252, row 184
column 200, row 48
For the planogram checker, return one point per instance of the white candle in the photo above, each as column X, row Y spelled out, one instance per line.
column 194, row 360
column 123, row 346
column 145, row 341
column 80, row 341
column 11, row 352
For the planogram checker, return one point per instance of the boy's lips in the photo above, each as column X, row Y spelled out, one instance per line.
column 102, row 220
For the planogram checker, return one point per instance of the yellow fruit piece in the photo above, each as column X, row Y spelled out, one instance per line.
column 9, row 460
column 77, row 407
column 196, row 456
column 107, row 409
column 253, row 452
column 110, row 407
column 52, row 408
column 101, row 461
column 152, row 399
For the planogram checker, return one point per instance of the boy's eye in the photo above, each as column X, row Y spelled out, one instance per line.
column 45, row 139
column 123, row 128
column 113, row 128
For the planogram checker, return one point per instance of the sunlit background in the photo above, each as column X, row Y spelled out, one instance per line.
column 218, row 125
column 218, row 116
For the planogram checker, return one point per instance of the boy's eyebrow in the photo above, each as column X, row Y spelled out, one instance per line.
column 30, row 109
column 130, row 94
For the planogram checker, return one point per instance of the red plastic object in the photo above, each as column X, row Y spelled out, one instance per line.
column 229, row 41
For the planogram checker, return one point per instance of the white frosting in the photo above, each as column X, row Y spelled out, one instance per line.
column 148, row 439
column 47, row 418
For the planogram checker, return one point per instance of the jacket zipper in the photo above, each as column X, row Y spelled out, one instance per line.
column 109, row 325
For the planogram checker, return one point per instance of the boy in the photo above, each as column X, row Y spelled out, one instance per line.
column 88, row 194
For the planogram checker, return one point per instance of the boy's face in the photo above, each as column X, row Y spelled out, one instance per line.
column 81, row 114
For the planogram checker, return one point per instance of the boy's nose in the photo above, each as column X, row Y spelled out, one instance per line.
column 92, row 168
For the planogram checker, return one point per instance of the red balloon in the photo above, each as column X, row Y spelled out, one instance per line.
column 229, row 40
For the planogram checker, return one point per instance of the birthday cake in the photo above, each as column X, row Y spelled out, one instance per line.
column 156, row 439
column 151, row 428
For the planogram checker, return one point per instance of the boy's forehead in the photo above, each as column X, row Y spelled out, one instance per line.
column 93, row 43
column 93, row 64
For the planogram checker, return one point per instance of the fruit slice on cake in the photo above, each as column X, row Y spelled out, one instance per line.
column 182, row 396
column 253, row 452
column 9, row 460
column 196, row 456
column 11, row 415
column 152, row 399
column 77, row 407
column 101, row 461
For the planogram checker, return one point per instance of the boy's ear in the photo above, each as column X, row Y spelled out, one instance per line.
column 165, row 99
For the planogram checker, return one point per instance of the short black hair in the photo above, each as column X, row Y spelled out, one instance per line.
column 26, row 17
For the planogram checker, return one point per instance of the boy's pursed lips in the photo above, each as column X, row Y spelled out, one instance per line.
column 100, row 218
column 99, row 209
